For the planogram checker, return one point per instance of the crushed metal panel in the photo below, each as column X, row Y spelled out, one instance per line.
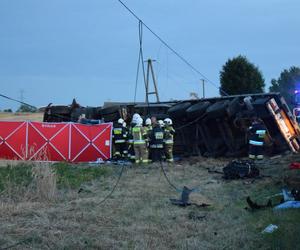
column 288, row 130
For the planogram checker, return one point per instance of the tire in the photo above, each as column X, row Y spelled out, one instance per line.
column 178, row 110
column 197, row 110
column 217, row 110
column 234, row 107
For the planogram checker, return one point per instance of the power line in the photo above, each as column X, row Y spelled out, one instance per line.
column 169, row 47
column 15, row 100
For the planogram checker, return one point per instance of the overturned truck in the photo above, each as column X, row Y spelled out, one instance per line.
column 210, row 127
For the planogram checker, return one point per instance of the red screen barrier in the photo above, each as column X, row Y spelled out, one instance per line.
column 55, row 141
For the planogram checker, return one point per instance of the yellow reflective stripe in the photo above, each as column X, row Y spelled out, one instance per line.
column 139, row 142
column 252, row 156
column 119, row 141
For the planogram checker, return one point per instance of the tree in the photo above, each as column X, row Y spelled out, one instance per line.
column 239, row 76
column 194, row 96
column 287, row 83
column 26, row 108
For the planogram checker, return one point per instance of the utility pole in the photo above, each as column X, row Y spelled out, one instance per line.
column 22, row 95
column 150, row 70
column 203, row 87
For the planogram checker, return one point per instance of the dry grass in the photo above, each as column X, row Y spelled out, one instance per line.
column 139, row 214
column 21, row 116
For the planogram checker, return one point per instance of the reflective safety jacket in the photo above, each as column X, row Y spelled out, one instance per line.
column 157, row 137
column 139, row 135
column 257, row 132
column 148, row 130
column 119, row 134
column 129, row 133
column 169, row 135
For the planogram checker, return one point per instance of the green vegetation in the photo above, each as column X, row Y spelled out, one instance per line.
column 239, row 76
column 20, row 175
column 287, row 83
column 72, row 176
column 67, row 175
column 27, row 108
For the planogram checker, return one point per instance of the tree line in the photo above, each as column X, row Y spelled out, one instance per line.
column 240, row 76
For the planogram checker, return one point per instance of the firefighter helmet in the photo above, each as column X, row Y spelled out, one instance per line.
column 135, row 117
column 161, row 123
column 139, row 121
column 148, row 122
column 120, row 121
column 168, row 121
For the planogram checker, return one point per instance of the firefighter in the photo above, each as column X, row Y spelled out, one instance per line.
column 148, row 128
column 139, row 142
column 125, row 151
column 130, row 142
column 119, row 140
column 156, row 142
column 161, row 123
column 169, row 132
column 148, row 125
column 130, row 145
column 257, row 132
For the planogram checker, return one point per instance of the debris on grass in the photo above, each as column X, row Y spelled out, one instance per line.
column 270, row 229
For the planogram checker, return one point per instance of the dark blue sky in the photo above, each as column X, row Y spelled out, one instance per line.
column 59, row 49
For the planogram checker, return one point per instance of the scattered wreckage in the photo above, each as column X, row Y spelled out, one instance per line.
column 210, row 127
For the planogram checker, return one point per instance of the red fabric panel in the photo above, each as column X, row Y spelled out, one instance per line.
column 90, row 142
column 13, row 140
column 55, row 141
column 48, row 141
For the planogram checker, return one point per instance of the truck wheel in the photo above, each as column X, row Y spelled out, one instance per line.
column 178, row 110
column 197, row 110
column 217, row 110
column 234, row 107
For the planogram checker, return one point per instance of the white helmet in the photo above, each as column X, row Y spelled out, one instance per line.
column 135, row 117
column 120, row 121
column 124, row 124
column 161, row 123
column 148, row 121
column 139, row 121
column 168, row 121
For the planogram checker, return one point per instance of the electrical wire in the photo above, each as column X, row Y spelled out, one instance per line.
column 114, row 188
column 15, row 100
column 167, row 178
column 170, row 48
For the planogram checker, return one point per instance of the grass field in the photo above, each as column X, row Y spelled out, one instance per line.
column 45, row 206
column 21, row 116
